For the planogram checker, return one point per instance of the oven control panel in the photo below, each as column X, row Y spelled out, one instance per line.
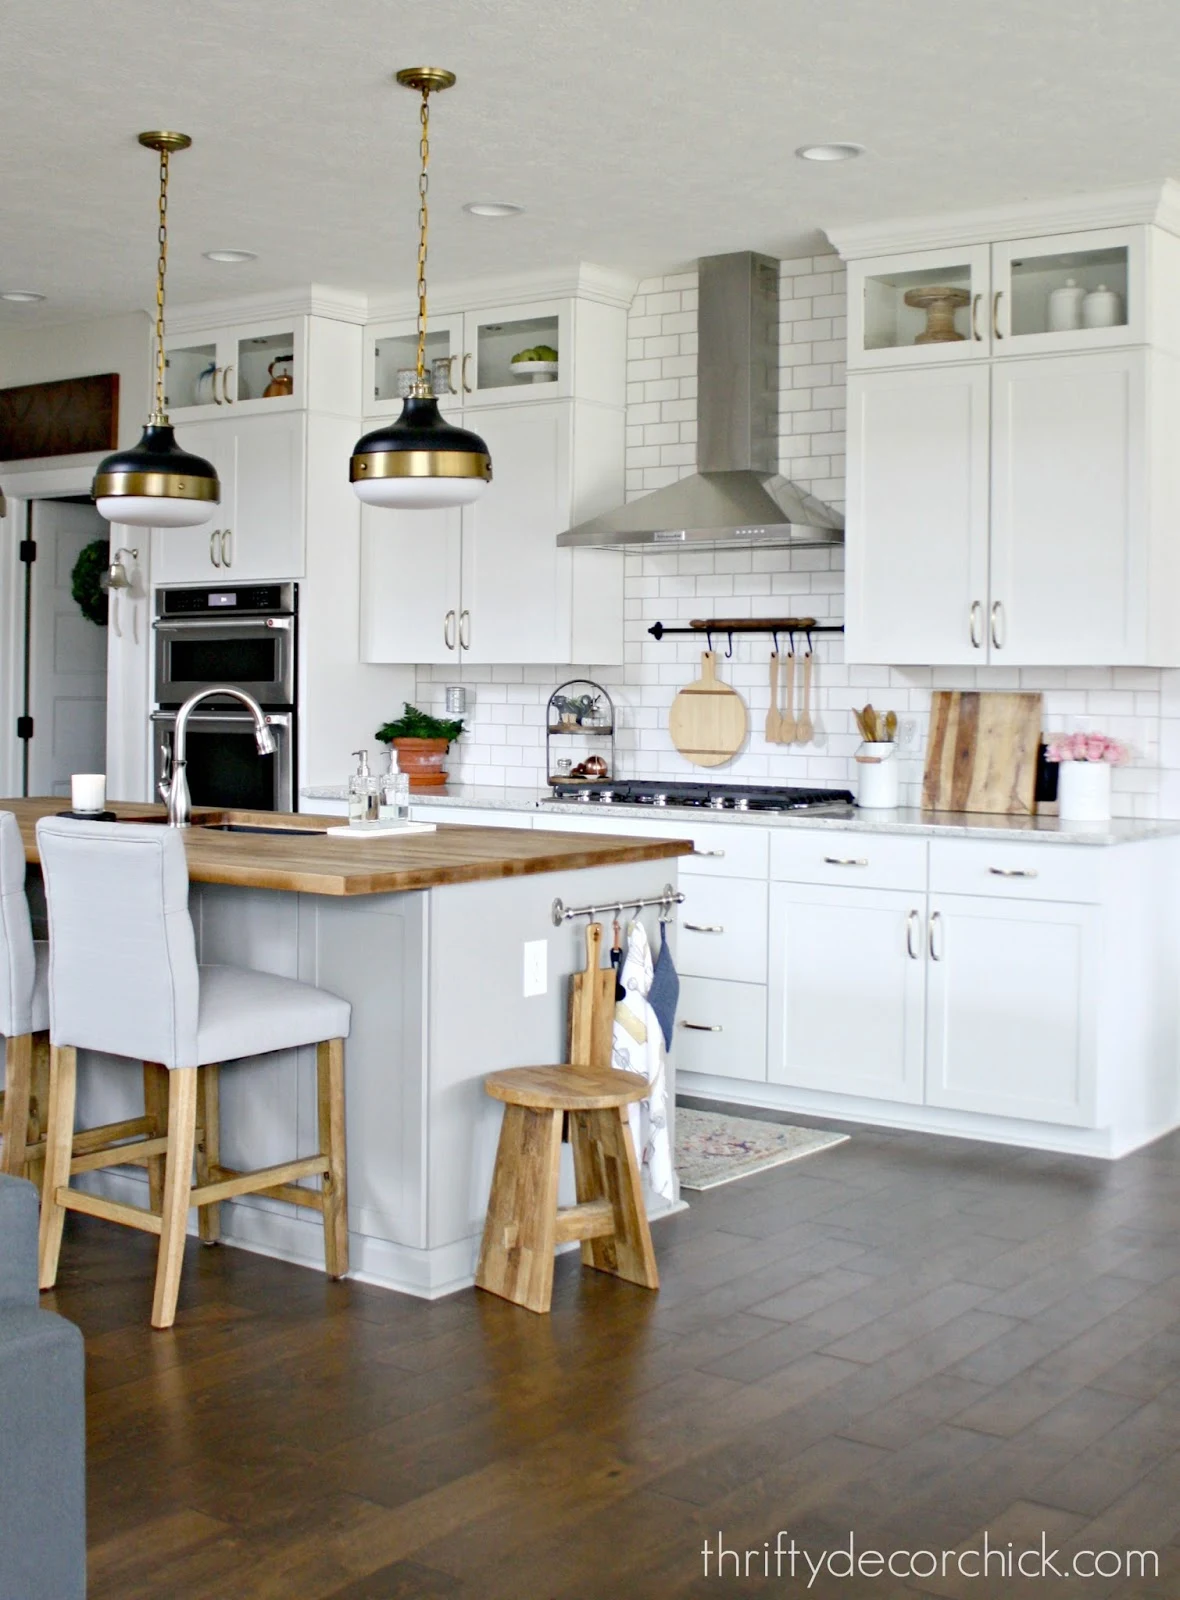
column 252, row 599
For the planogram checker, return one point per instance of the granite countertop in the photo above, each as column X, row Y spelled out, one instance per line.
column 304, row 861
column 839, row 818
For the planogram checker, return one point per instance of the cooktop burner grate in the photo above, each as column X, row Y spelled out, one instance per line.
column 659, row 795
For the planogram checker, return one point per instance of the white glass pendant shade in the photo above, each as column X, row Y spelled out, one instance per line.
column 156, row 484
column 420, row 462
column 147, row 511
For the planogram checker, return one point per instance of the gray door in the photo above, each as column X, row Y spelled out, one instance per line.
column 67, row 654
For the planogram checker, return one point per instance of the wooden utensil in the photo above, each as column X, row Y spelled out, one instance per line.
column 891, row 725
column 805, row 728
column 708, row 720
column 773, row 718
column 982, row 752
column 786, row 723
column 592, row 1007
column 872, row 733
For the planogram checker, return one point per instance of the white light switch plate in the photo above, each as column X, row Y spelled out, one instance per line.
column 536, row 967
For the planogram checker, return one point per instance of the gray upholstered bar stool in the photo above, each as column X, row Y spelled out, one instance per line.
column 24, row 1012
column 124, row 980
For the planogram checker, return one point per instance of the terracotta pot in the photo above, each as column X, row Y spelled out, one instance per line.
column 422, row 761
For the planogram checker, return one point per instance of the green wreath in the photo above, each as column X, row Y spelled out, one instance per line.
column 86, row 580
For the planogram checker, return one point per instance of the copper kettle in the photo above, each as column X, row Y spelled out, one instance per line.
column 281, row 383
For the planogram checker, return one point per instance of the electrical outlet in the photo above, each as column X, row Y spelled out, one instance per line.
column 907, row 733
column 536, row 967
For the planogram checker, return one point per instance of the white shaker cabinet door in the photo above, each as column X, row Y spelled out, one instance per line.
column 1069, row 510
column 264, row 538
column 410, row 562
column 847, row 988
column 917, row 515
column 1012, row 1008
column 193, row 555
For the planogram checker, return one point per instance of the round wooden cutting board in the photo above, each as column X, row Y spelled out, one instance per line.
column 708, row 719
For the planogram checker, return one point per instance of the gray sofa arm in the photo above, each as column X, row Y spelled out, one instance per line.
column 18, row 1242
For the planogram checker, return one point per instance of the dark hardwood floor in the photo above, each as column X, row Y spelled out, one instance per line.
column 910, row 1338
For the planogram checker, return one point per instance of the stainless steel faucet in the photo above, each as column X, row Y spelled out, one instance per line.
column 174, row 786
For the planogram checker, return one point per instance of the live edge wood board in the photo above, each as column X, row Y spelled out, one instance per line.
column 982, row 752
column 315, row 865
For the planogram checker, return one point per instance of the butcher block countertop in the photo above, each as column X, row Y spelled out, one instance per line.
column 333, row 866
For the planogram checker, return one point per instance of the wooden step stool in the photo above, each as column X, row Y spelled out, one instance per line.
column 524, row 1223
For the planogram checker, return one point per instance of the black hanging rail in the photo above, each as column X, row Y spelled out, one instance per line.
column 771, row 625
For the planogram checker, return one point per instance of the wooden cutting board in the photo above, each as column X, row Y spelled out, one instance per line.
column 708, row 720
column 592, row 1007
column 982, row 752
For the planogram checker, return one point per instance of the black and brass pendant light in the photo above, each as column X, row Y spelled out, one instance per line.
column 420, row 461
column 157, row 484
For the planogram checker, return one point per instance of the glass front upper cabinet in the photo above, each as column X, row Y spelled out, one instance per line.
column 259, row 368
column 514, row 356
column 192, row 377
column 391, row 361
column 919, row 308
column 1069, row 291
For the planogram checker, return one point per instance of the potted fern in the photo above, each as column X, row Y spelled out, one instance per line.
column 421, row 742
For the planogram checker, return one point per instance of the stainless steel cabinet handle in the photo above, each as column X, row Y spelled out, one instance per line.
column 702, row 1027
column 465, row 630
column 913, row 935
column 977, row 624
column 846, row 861
column 999, row 627
column 704, row 927
column 465, row 386
column 217, row 373
column 935, row 925
column 996, row 315
column 715, row 853
column 451, row 374
column 1013, row 872
column 975, row 333
column 229, row 399
column 449, row 630
column 215, row 546
column 227, row 547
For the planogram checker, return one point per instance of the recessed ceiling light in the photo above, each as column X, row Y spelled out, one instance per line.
column 21, row 297
column 231, row 256
column 829, row 152
column 493, row 208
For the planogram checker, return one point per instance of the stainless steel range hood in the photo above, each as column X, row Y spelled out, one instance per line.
column 737, row 495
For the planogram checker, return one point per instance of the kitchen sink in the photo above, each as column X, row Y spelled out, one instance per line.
column 254, row 827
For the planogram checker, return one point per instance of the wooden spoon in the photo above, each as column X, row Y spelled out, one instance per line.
column 773, row 719
column 805, row 728
column 891, row 725
column 870, row 724
column 786, row 723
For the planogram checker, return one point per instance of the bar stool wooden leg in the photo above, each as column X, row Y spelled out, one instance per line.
column 329, row 1060
column 38, row 1111
column 178, row 1183
column 155, row 1109
column 18, row 1080
column 209, row 1148
column 519, row 1236
column 605, row 1167
column 59, row 1146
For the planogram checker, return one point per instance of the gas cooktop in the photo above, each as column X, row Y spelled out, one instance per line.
column 657, row 792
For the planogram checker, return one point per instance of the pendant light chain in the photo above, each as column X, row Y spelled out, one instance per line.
column 423, row 219
column 161, row 268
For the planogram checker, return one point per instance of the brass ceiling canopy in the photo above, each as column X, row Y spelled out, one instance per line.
column 426, row 80
column 169, row 142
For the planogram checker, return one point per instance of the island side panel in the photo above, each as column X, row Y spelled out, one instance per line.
column 479, row 1020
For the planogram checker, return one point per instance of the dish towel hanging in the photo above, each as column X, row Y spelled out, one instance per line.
column 664, row 994
column 638, row 1046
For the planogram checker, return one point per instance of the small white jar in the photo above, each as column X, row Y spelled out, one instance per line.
column 1102, row 308
column 1083, row 791
column 1065, row 307
column 877, row 776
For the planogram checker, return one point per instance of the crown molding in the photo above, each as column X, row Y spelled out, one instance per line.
column 585, row 281
column 310, row 300
column 1154, row 204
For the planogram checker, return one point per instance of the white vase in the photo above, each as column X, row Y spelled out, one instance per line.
column 1083, row 791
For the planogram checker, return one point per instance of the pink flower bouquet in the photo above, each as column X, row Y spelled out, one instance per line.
column 1086, row 747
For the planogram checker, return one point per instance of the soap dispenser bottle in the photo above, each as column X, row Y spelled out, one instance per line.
column 362, row 794
column 395, row 792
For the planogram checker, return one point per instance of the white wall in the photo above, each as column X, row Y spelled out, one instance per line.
column 506, row 742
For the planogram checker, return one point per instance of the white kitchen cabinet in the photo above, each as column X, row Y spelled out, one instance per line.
column 847, row 990
column 225, row 368
column 917, row 523
column 721, row 1029
column 1025, row 272
column 885, row 331
column 256, row 531
column 1012, row 1008
column 486, row 582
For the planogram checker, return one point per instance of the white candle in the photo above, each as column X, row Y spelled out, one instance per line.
column 88, row 791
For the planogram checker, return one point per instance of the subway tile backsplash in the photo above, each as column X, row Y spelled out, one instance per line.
column 505, row 742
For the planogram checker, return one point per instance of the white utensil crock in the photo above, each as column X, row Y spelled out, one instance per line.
column 1083, row 791
column 877, row 775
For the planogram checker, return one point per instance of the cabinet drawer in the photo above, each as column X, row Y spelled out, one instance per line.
column 721, row 1029
column 865, row 860
column 737, row 851
column 722, row 929
column 462, row 817
column 1017, row 871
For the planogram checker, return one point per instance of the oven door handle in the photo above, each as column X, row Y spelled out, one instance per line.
column 187, row 624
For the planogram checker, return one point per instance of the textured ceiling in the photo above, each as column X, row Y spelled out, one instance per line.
column 638, row 133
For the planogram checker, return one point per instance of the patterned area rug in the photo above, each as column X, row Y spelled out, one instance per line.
column 712, row 1149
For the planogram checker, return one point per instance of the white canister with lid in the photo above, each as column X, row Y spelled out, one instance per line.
column 877, row 784
column 1102, row 308
column 1065, row 307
